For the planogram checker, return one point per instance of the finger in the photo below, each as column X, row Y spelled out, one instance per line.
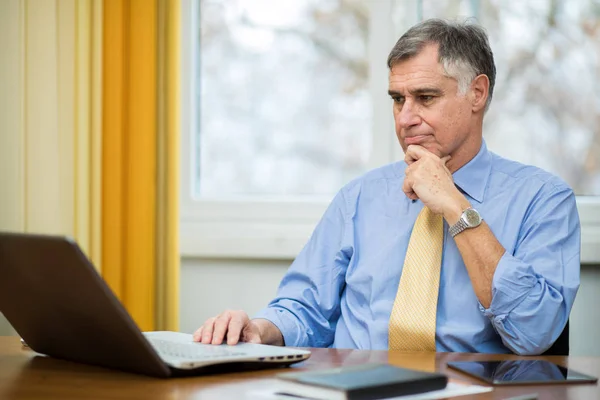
column 235, row 329
column 448, row 172
column 251, row 333
column 221, row 326
column 198, row 335
column 207, row 330
column 415, row 152
column 252, row 337
column 409, row 158
column 408, row 190
column 412, row 195
column 406, row 186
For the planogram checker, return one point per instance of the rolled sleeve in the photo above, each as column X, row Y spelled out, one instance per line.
column 534, row 288
column 293, row 332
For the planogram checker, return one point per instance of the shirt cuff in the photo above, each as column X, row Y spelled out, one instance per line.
column 511, row 284
column 293, row 334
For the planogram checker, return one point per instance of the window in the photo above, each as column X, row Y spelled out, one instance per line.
column 286, row 101
column 282, row 95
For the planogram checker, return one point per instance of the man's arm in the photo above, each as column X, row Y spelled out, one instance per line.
column 306, row 308
column 480, row 250
column 528, row 294
column 428, row 179
column 307, row 305
column 534, row 287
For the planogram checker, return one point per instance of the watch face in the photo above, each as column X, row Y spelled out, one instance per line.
column 472, row 217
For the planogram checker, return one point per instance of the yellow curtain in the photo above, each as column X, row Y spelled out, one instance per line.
column 139, row 158
column 168, row 162
column 92, row 107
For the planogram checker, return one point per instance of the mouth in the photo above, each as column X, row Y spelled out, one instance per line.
column 415, row 139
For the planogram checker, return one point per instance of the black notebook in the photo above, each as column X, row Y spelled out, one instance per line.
column 361, row 382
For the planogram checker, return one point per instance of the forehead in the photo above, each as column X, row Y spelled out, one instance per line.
column 422, row 69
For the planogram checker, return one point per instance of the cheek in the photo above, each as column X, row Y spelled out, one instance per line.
column 451, row 123
column 395, row 113
column 397, row 124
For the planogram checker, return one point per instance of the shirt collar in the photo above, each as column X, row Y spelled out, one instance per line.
column 472, row 178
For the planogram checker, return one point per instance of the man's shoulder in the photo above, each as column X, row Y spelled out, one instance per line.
column 519, row 173
column 372, row 185
column 393, row 171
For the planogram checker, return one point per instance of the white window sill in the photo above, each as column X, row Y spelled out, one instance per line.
column 279, row 230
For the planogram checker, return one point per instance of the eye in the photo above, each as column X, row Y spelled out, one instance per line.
column 398, row 99
column 426, row 98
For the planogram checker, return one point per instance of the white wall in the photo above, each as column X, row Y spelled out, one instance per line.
column 585, row 316
column 210, row 286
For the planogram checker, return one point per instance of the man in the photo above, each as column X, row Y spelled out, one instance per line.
column 382, row 270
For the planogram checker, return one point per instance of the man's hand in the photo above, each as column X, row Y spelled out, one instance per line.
column 237, row 327
column 428, row 179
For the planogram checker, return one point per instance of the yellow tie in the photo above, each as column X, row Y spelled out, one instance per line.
column 412, row 322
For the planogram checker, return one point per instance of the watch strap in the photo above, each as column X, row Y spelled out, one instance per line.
column 458, row 227
column 464, row 222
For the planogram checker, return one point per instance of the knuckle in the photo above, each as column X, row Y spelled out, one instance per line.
column 224, row 315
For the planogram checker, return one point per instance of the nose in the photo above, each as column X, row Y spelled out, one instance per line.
column 408, row 116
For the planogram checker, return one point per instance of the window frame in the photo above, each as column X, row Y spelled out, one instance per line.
column 272, row 228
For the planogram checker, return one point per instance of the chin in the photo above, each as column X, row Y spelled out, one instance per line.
column 431, row 147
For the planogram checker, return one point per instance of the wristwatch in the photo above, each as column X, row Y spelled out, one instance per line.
column 470, row 218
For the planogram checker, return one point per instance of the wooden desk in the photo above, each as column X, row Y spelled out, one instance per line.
column 26, row 376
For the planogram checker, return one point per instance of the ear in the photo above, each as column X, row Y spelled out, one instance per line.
column 479, row 92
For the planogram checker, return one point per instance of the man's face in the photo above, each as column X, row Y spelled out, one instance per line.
column 428, row 110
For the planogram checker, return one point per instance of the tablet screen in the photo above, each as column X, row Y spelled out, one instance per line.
column 516, row 372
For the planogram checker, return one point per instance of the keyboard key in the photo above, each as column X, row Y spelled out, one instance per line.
column 193, row 351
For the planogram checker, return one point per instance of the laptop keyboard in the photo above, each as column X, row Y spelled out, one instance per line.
column 193, row 351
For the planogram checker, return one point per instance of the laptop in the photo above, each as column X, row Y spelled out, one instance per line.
column 54, row 298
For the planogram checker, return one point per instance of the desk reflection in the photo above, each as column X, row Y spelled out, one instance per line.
column 514, row 371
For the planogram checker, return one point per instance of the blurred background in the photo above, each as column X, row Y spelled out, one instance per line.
column 191, row 145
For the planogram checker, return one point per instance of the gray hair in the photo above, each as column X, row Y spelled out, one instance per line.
column 464, row 50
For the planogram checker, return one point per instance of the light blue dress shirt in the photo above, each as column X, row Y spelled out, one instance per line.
column 340, row 289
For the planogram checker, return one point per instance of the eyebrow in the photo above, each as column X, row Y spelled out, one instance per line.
column 418, row 92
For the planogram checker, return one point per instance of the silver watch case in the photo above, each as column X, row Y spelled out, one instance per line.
column 470, row 218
